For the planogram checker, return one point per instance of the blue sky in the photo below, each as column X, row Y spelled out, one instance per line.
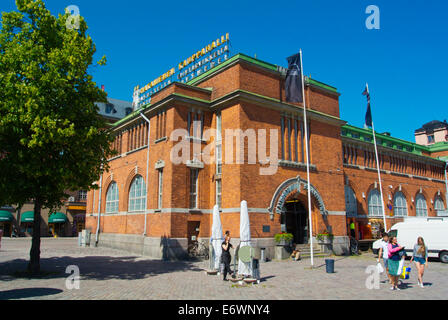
column 405, row 61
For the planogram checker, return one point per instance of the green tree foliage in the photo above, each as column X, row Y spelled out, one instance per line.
column 51, row 136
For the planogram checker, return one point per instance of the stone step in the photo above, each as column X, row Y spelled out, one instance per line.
column 315, row 255
column 309, row 250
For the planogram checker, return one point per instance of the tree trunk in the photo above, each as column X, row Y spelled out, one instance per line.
column 34, row 264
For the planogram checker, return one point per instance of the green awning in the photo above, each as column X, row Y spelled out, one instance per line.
column 27, row 216
column 57, row 217
column 5, row 215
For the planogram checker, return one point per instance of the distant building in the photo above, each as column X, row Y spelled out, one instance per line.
column 114, row 109
column 432, row 132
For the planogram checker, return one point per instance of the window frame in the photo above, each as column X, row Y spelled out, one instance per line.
column 374, row 206
column 419, row 199
column 135, row 198
column 112, row 198
column 194, row 188
column 400, row 209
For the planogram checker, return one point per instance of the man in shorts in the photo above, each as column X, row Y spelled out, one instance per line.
column 384, row 253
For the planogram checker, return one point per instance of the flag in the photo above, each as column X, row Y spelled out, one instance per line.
column 294, row 83
column 366, row 93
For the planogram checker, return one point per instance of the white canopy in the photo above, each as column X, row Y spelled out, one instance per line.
column 244, row 268
column 217, row 238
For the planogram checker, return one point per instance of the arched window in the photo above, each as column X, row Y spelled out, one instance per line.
column 351, row 206
column 421, row 209
column 400, row 205
column 137, row 195
column 374, row 203
column 438, row 204
column 112, row 198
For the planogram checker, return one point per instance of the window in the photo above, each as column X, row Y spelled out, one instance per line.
column 218, row 144
column 218, row 159
column 400, row 205
column 421, row 209
column 431, row 139
column 438, row 204
column 218, row 193
column 160, row 191
column 195, row 124
column 374, row 203
column 194, row 188
column 82, row 195
column 112, row 198
column 137, row 194
column 292, row 138
column 351, row 206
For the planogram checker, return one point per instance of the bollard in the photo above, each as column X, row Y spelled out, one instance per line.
column 329, row 265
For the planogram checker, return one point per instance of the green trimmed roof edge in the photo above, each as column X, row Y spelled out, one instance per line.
column 417, row 149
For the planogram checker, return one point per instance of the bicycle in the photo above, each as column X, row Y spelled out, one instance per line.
column 198, row 250
column 354, row 246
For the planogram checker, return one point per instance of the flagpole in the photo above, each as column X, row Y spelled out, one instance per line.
column 378, row 170
column 307, row 161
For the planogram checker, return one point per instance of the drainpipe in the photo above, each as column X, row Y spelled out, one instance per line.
column 147, row 169
column 99, row 211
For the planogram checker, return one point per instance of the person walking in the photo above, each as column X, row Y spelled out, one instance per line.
column 225, row 256
column 384, row 254
column 420, row 257
column 394, row 261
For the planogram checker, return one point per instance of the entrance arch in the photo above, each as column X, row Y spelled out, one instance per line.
column 286, row 188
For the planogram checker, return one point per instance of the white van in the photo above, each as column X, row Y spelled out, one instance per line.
column 433, row 230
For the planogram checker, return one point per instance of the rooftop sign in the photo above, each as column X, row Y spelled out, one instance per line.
column 201, row 61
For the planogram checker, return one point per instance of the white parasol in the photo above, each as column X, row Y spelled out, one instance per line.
column 217, row 238
column 244, row 268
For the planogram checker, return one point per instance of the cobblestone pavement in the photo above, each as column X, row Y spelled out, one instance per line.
column 112, row 274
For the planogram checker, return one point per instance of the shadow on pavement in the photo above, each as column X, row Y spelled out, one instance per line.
column 98, row 267
column 27, row 293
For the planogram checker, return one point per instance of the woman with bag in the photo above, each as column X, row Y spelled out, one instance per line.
column 394, row 261
column 420, row 256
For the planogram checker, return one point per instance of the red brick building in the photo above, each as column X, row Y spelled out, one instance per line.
column 248, row 94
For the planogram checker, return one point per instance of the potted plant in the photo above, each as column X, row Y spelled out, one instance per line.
column 283, row 239
column 324, row 237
